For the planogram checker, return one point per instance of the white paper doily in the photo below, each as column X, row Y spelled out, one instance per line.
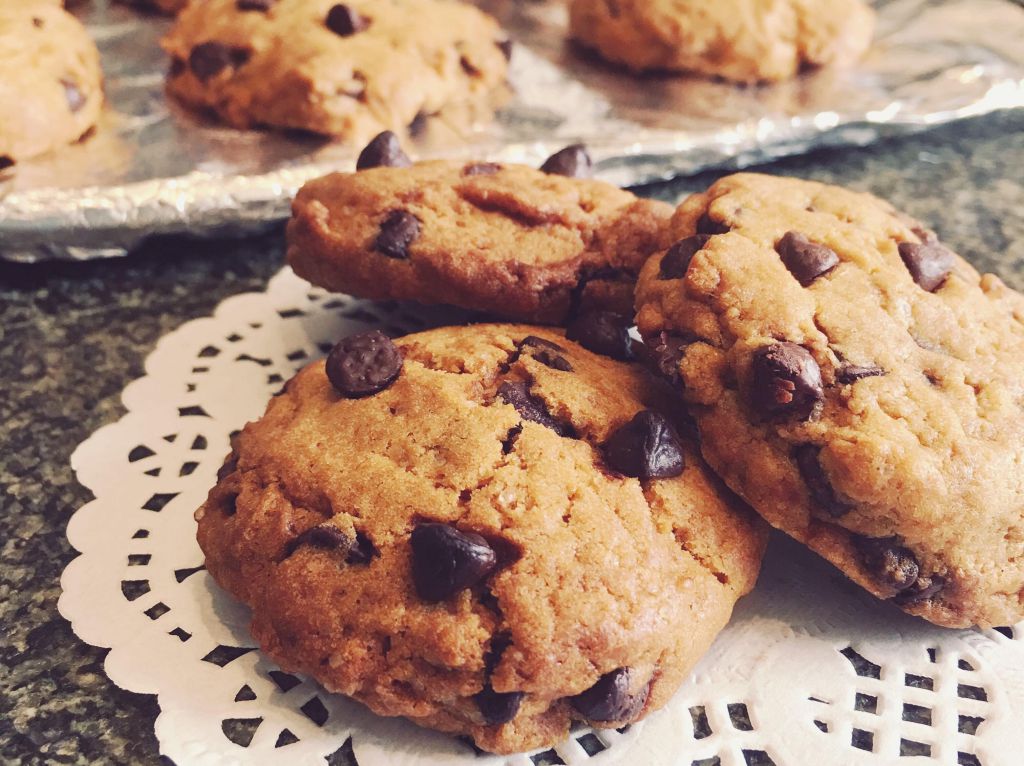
column 811, row 671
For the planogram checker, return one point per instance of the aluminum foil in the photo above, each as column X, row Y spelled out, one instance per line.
column 150, row 167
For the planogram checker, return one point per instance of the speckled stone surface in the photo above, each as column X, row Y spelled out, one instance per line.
column 73, row 335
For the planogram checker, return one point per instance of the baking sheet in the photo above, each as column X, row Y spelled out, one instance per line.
column 153, row 168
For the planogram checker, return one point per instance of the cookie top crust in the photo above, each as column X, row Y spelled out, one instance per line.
column 741, row 40
column 341, row 69
column 453, row 527
column 856, row 382
column 501, row 238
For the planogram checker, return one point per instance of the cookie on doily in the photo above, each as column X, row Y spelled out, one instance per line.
column 487, row 529
column 510, row 240
column 347, row 70
column 742, row 40
column 51, row 86
column 856, row 382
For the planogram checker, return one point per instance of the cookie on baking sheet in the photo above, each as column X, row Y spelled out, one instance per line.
column 506, row 239
column 857, row 383
column 486, row 529
column 51, row 86
column 341, row 69
column 741, row 40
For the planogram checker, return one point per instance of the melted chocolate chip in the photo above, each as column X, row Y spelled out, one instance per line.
column 851, row 373
column 75, row 98
column 610, row 699
column 325, row 536
column 531, row 408
column 363, row 364
column 805, row 260
column 509, row 442
column 647, row 447
column 786, row 382
column 662, row 355
column 572, row 161
column 889, row 561
column 384, row 151
column 708, row 225
column 822, row 493
column 345, row 21
column 255, row 5
column 481, row 169
column 498, row 707
column 207, row 60
column 397, row 231
column 445, row 560
column 923, row 589
column 505, row 46
column 677, row 259
column 546, row 352
column 929, row 264
column 603, row 332
column 6, row 162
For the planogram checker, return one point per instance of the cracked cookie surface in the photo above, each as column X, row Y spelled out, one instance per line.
column 856, row 382
column 742, row 40
column 348, row 70
column 504, row 239
column 462, row 545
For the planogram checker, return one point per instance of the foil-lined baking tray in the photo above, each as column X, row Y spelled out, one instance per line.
column 150, row 167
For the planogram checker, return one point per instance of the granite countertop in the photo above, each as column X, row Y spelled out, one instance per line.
column 72, row 335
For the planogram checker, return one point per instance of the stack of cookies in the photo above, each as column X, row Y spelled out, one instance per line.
column 496, row 530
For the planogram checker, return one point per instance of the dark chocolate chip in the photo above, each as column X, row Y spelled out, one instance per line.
column 546, row 352
column 647, row 447
column 481, row 169
column 708, row 225
column 786, row 382
column 325, row 536
column 572, row 161
column 610, row 699
column 207, row 60
column 229, row 467
column 929, row 264
column 677, row 260
column 363, row 364
column 889, row 561
column 662, row 355
column 445, row 560
column 509, row 442
column 923, row 589
column 345, row 21
column 805, row 260
column 499, row 643
column 505, row 46
column 822, row 493
column 537, row 342
column 531, row 408
column 75, row 98
column 418, row 124
column 399, row 230
column 6, row 162
column 851, row 373
column 468, row 67
column 38, row 23
column 363, row 551
column 498, row 707
column 178, row 67
column 255, row 5
column 603, row 332
column 384, row 151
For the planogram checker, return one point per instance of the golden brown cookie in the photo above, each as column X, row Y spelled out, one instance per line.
column 347, row 70
column 486, row 529
column 742, row 40
column 501, row 238
column 51, row 86
column 856, row 382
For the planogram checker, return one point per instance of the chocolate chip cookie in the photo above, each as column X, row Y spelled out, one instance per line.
column 501, row 238
column 340, row 69
column 856, row 382
column 51, row 86
column 742, row 40
column 486, row 529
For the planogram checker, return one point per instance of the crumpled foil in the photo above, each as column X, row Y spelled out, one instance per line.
column 151, row 167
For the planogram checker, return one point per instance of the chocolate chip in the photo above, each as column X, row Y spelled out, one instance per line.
column 445, row 560
column 805, row 260
column 537, row 342
column 418, row 124
column 531, row 408
column 325, row 536
column 708, row 225
column 207, row 60
column 647, row 447
column 498, row 707
column 603, row 332
column 822, row 493
column 229, row 467
column 75, row 98
column 384, row 151
column 481, row 169
column 37, row 22
column 929, row 264
column 399, row 230
column 363, row 364
column 255, row 5
column 572, row 161
column 547, row 353
column 889, row 561
column 6, row 162
column 662, row 355
column 923, row 589
column 677, row 259
column 786, row 381
column 505, row 46
column 610, row 699
column 509, row 442
column 345, row 21
column 363, row 551
column 851, row 373
column 468, row 67
column 499, row 643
